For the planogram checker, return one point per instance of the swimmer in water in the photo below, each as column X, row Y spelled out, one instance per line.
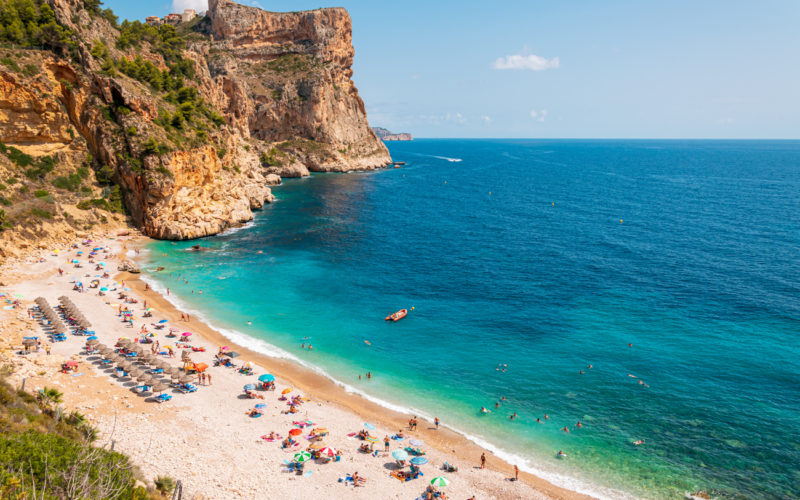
column 304, row 346
column 561, row 454
column 259, row 251
column 579, row 424
column 249, row 323
column 630, row 345
column 580, row 371
column 511, row 417
column 483, row 409
column 497, row 405
column 309, row 346
column 503, row 398
column 590, row 367
column 640, row 382
column 565, row 429
column 637, row 443
column 539, row 421
column 545, row 416
column 631, row 376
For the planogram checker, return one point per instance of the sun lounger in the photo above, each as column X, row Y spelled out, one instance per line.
column 163, row 398
column 142, row 388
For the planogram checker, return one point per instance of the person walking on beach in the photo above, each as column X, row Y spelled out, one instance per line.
column 47, row 348
column 208, row 378
column 516, row 473
column 386, row 442
column 483, row 460
column 167, row 291
column 436, row 421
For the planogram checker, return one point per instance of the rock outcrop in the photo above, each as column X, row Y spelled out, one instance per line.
column 191, row 138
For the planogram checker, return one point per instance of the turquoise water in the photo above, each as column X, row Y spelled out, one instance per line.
column 686, row 249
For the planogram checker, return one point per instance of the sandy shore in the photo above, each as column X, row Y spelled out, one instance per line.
column 205, row 439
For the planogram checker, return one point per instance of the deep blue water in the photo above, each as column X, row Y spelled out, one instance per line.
column 547, row 256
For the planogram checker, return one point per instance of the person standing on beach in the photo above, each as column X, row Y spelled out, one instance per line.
column 188, row 319
column 47, row 348
column 208, row 378
column 167, row 291
column 386, row 442
column 516, row 473
column 436, row 421
column 483, row 460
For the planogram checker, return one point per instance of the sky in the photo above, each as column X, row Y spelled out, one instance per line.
column 567, row 69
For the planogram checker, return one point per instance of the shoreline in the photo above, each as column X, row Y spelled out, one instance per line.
column 319, row 387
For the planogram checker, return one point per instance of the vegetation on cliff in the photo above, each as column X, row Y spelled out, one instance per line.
column 48, row 454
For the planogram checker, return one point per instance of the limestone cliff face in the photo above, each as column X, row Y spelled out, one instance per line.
column 274, row 98
column 287, row 75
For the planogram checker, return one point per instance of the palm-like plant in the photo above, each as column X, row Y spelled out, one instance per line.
column 76, row 418
column 51, row 395
column 165, row 485
column 89, row 433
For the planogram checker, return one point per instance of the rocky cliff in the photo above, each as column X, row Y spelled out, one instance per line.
column 385, row 135
column 178, row 132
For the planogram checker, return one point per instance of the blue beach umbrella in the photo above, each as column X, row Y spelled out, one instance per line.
column 104, row 289
column 75, row 261
column 92, row 338
column 266, row 378
column 97, row 248
column 261, row 405
column 369, row 426
column 80, row 253
column 127, row 289
column 419, row 460
column 162, row 321
column 400, row 455
column 250, row 387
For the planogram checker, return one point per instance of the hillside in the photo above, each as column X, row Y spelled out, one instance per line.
column 178, row 132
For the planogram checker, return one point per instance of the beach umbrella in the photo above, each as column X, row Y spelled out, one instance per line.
column 144, row 377
column 126, row 289
column 133, row 372
column 303, row 456
column 371, row 439
column 266, row 378
column 232, row 354
column 369, row 426
column 28, row 342
column 186, row 334
column 100, row 346
column 72, row 362
column 188, row 378
column 295, row 432
column 327, row 452
column 440, row 481
column 163, row 321
column 160, row 388
column 93, row 342
column 400, row 455
column 250, row 387
column 287, row 391
column 92, row 338
column 104, row 289
column 261, row 405
column 419, row 460
column 176, row 375
column 318, row 445
column 200, row 367
column 416, row 442
column 104, row 351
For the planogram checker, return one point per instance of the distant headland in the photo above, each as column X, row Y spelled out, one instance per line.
column 385, row 135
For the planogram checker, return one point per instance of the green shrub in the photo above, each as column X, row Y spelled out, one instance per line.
column 86, row 189
column 95, row 202
column 5, row 201
column 12, row 180
column 40, row 193
column 217, row 119
column 3, row 187
column 83, row 172
column 131, row 131
column 11, row 64
column 123, row 110
column 105, row 175
column 44, row 214
column 221, row 152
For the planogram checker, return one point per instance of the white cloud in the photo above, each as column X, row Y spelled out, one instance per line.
column 543, row 112
column 533, row 113
column 486, row 119
column 179, row 5
column 533, row 62
column 541, row 119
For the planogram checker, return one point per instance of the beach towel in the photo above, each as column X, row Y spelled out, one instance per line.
column 77, row 374
column 265, row 438
column 352, row 434
column 307, row 474
column 397, row 438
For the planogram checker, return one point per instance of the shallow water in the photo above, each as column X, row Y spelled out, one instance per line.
column 547, row 256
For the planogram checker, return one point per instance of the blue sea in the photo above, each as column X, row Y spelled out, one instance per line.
column 670, row 263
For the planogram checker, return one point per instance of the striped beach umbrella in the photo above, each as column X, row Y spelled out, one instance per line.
column 327, row 452
column 302, row 456
column 419, row 460
column 440, row 481
column 372, row 440
column 400, row 455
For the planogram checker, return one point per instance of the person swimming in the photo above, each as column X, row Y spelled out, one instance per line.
column 637, row 443
column 580, row 371
column 561, row 454
column 579, row 424
column 538, row 421
column 497, row 405
column 545, row 415
column 503, row 398
column 565, row 429
column 484, row 410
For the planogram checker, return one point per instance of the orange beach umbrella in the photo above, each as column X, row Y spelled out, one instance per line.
column 295, row 432
column 287, row 391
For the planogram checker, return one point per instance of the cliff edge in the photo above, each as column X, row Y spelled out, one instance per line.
column 385, row 135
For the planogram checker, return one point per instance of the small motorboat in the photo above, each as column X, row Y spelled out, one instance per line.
column 397, row 316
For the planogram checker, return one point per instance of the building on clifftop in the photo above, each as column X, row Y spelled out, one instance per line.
column 154, row 21
column 188, row 15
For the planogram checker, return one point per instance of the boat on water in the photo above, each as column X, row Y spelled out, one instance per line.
column 397, row 316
